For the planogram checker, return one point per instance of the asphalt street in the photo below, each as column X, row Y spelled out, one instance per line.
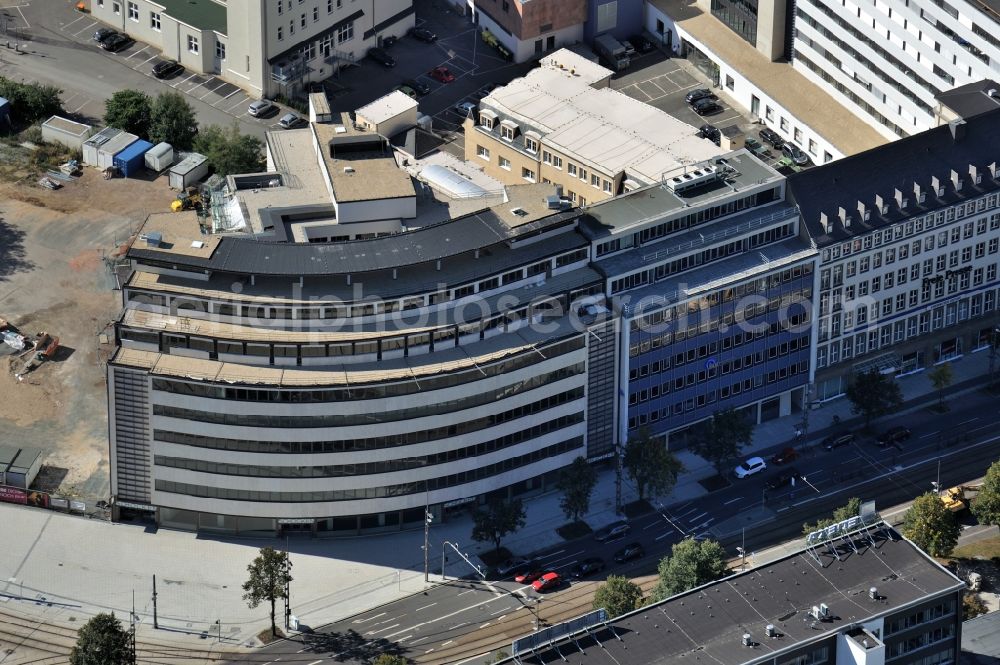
column 459, row 620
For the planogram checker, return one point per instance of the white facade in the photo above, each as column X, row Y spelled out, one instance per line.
column 886, row 61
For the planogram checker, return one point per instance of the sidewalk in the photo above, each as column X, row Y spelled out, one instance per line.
column 81, row 567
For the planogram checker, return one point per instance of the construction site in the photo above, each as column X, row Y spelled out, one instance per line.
column 60, row 262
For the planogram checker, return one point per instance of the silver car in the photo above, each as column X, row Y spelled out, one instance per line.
column 259, row 108
column 289, row 120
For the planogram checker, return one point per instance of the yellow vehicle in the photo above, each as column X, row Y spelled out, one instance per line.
column 956, row 499
column 190, row 200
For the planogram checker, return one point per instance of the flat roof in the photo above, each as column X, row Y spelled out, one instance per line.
column 180, row 235
column 372, row 176
column 201, row 14
column 601, row 128
column 708, row 623
column 588, row 70
column 981, row 640
column 67, row 125
column 805, row 100
column 645, row 205
column 386, row 107
column 972, row 98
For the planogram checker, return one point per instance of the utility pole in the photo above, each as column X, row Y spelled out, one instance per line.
column 288, row 590
column 156, row 623
column 618, row 479
column 428, row 518
column 131, row 631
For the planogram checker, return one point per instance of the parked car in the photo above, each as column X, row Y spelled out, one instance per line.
column 408, row 91
column 389, row 40
column 754, row 146
column 750, row 467
column 381, row 56
column 289, row 120
column 710, row 132
column 894, row 436
column 794, row 153
column 782, row 479
column 102, row 34
column 167, row 68
column 706, row 107
column 423, row 34
column 420, row 88
column 629, row 552
column 260, row 108
column 514, row 565
column 785, row 456
column 315, row 86
column 547, row 581
column 641, row 44
column 116, row 42
column 588, row 566
column 837, row 440
column 441, row 75
column 698, row 93
column 528, row 576
column 465, row 108
column 771, row 137
column 612, row 532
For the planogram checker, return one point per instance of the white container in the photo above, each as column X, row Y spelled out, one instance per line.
column 159, row 157
column 106, row 153
column 94, row 143
column 63, row 130
column 188, row 171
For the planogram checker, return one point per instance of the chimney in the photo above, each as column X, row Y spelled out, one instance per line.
column 394, row 273
column 975, row 175
column 747, row 640
column 844, row 219
column 919, row 192
column 881, row 204
column 873, row 593
column 936, row 186
column 957, row 128
column 864, row 212
column 824, row 221
column 439, row 264
column 993, row 169
column 956, row 180
column 901, row 200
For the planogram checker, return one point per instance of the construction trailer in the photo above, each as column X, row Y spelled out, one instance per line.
column 66, row 132
column 94, row 143
column 160, row 157
column 19, row 466
column 106, row 153
column 188, row 171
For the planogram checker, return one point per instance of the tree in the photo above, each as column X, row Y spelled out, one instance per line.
column 270, row 574
column 851, row 509
column 129, row 111
column 390, row 659
column 30, row 101
column 228, row 151
column 722, row 437
column 941, row 377
column 651, row 466
column 691, row 563
column 101, row 641
column 972, row 606
column 576, row 482
column 930, row 525
column 618, row 595
column 497, row 520
column 986, row 505
column 172, row 121
column 874, row 395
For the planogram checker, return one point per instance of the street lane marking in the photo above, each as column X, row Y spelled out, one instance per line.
column 469, row 591
column 502, row 609
column 739, row 498
column 152, row 57
column 424, row 607
column 983, row 427
column 26, row 24
column 78, row 18
column 376, row 632
column 549, row 556
column 89, row 26
column 661, row 537
column 484, row 625
column 137, row 52
column 316, row 662
column 416, row 642
column 448, row 642
column 230, row 94
column 650, row 526
column 405, row 638
column 697, row 517
column 929, row 435
column 369, row 618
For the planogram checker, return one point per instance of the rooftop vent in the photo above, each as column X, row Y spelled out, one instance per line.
column 881, row 204
column 747, row 640
column 902, row 201
column 824, row 221
column 197, row 244
column 993, row 92
column 771, row 630
column 957, row 128
column 153, row 238
column 936, row 186
column 519, row 212
column 975, row 174
column 814, row 612
column 873, row 593
column 824, row 610
column 692, row 179
column 348, row 169
column 919, row 192
column 864, row 211
column 956, row 180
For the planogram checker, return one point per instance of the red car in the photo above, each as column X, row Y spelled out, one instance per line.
column 546, row 582
column 442, row 75
column 528, row 577
column 785, row 456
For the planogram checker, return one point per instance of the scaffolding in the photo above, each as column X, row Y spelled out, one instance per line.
column 220, row 204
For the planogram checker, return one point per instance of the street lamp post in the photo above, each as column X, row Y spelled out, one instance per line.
column 533, row 607
column 428, row 518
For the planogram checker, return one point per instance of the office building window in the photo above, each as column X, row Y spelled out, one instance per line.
column 154, row 21
column 798, row 135
column 730, row 83
column 530, row 144
column 220, row 50
column 281, row 34
column 345, row 33
column 329, row 6
column 302, row 20
column 813, row 148
column 768, row 113
column 505, row 163
column 281, row 7
column 133, row 12
column 116, row 8
column 482, row 152
column 739, row 15
column 784, row 124
column 192, row 44
column 528, row 174
column 315, row 14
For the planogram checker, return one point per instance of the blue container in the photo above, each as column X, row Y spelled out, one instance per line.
column 131, row 160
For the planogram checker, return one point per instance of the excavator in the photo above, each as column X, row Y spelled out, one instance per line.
column 956, row 499
column 42, row 348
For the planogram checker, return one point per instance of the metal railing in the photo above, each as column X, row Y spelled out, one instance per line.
column 719, row 235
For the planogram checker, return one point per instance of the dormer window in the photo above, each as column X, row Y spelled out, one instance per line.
column 487, row 119
column 531, row 141
column 508, row 130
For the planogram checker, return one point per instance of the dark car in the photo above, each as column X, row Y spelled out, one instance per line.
column 706, row 107
column 515, row 565
column 894, row 436
column 417, row 86
column 755, row 146
column 423, row 34
column 380, row 56
column 794, row 153
column 586, row 567
column 837, row 440
column 785, row 456
column 782, row 479
column 641, row 44
column 167, row 68
column 441, row 75
column 612, row 532
column 629, row 552
column 770, row 136
column 116, row 42
column 389, row 40
column 102, row 34
column 710, row 132
column 698, row 93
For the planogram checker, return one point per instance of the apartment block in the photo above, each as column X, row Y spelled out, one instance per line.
column 531, row 28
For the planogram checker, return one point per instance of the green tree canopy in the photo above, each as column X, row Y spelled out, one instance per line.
column 269, row 573
column 874, row 395
column 986, row 505
column 851, row 509
column 721, row 438
column 228, row 151
column 498, row 519
column 390, row 659
column 930, row 525
column 652, row 467
column 172, row 120
column 129, row 111
column 618, row 595
column 30, row 102
column 691, row 563
column 576, row 482
column 101, row 641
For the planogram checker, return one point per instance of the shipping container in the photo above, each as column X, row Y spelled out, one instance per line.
column 160, row 157
column 129, row 161
column 188, row 171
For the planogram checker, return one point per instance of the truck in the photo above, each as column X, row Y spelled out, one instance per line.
column 612, row 52
column 956, row 499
